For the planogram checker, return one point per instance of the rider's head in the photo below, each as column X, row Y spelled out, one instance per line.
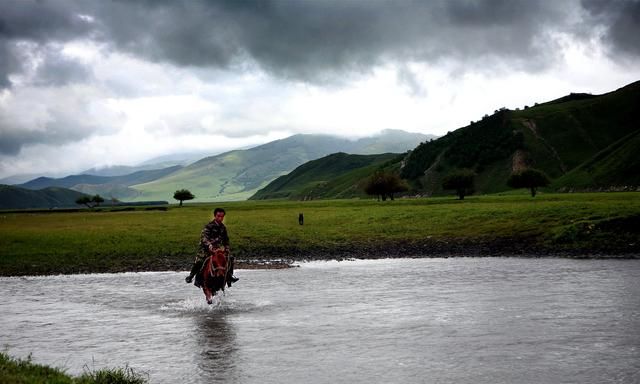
column 218, row 214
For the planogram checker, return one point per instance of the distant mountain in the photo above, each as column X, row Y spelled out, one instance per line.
column 107, row 190
column 388, row 141
column 65, row 182
column 237, row 175
column 582, row 141
column 21, row 178
column 183, row 158
column 335, row 176
column 12, row 197
column 123, row 170
column 106, row 186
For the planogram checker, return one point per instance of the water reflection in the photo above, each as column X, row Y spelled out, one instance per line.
column 217, row 354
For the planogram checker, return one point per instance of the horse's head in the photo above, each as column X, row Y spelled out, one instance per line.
column 219, row 260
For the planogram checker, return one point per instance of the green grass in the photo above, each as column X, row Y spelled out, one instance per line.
column 71, row 242
column 24, row 371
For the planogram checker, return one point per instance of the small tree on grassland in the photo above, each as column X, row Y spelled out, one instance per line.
column 90, row 201
column 183, row 194
column 461, row 181
column 385, row 184
column 529, row 178
column 97, row 199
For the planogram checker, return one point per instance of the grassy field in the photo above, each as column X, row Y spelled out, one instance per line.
column 551, row 224
column 26, row 372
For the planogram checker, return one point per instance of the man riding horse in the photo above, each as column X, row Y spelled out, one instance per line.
column 212, row 238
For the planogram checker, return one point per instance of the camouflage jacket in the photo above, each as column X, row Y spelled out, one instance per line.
column 214, row 235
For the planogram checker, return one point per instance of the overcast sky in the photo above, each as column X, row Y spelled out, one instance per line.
column 94, row 83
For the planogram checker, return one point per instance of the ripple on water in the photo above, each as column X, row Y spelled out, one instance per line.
column 221, row 304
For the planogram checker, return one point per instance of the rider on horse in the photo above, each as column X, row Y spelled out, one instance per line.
column 214, row 236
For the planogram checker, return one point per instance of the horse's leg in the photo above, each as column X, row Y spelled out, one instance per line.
column 207, row 294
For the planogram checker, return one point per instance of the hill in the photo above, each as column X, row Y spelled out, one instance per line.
column 335, row 176
column 12, row 197
column 123, row 170
column 107, row 186
column 581, row 141
column 237, row 175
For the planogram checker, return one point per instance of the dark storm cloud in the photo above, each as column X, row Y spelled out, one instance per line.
column 52, row 126
column 316, row 40
column 621, row 20
column 35, row 23
column 15, row 136
column 58, row 70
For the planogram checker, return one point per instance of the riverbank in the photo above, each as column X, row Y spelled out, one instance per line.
column 594, row 225
column 14, row 370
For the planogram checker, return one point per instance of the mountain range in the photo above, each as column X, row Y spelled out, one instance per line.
column 233, row 175
column 237, row 175
column 583, row 142
column 12, row 197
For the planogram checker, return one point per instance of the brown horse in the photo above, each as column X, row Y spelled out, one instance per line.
column 212, row 277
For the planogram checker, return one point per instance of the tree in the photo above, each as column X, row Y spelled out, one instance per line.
column 97, row 200
column 385, row 184
column 461, row 181
column 183, row 194
column 529, row 178
column 90, row 202
column 84, row 200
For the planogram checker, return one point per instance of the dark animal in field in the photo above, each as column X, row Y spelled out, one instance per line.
column 212, row 276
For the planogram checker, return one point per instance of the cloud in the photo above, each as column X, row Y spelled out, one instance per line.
column 316, row 41
column 126, row 75
column 621, row 23
column 52, row 116
column 320, row 40
column 38, row 23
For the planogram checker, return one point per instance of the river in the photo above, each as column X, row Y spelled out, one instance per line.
column 456, row 320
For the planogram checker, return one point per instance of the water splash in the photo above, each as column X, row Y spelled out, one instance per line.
column 193, row 305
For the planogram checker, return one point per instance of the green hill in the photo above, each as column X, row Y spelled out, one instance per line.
column 615, row 167
column 12, row 197
column 339, row 175
column 107, row 186
column 237, row 175
column 581, row 141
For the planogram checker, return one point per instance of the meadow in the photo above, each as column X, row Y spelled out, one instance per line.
column 575, row 225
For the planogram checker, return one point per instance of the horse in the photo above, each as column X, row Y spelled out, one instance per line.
column 213, row 275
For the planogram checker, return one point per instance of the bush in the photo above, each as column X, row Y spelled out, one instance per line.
column 461, row 181
column 385, row 184
column 529, row 178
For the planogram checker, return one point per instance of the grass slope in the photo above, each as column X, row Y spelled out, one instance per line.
column 574, row 224
column 571, row 133
column 618, row 165
column 335, row 176
column 73, row 180
column 12, row 197
column 237, row 175
column 24, row 371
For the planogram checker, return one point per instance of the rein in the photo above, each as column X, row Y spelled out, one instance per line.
column 213, row 268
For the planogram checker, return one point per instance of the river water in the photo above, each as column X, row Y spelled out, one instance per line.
column 457, row 320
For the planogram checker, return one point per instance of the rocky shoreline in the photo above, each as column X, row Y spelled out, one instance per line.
column 282, row 257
